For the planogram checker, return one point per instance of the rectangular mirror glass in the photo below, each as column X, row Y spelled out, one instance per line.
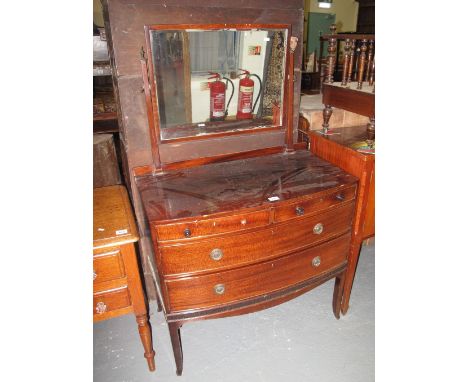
column 218, row 81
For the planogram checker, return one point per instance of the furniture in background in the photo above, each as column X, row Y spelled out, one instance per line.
column 106, row 170
column 351, row 148
column 117, row 288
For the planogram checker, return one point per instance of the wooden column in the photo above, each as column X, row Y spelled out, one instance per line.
column 331, row 56
column 346, row 61
column 362, row 64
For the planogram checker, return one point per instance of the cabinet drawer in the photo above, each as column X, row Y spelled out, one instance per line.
column 241, row 249
column 310, row 206
column 237, row 284
column 108, row 266
column 212, row 226
column 109, row 301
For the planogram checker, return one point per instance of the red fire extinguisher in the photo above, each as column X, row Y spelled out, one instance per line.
column 217, row 98
column 246, row 91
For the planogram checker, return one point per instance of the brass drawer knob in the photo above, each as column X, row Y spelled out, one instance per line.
column 299, row 211
column 219, row 288
column 94, row 274
column 318, row 228
column 187, row 232
column 316, row 261
column 216, row 254
column 101, row 308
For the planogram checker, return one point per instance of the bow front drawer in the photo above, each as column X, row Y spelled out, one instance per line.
column 237, row 284
column 230, row 251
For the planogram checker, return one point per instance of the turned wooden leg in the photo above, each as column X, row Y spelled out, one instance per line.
column 349, row 277
column 144, row 329
column 338, row 294
column 327, row 112
column 174, row 331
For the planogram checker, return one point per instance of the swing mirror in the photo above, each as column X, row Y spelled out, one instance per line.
column 216, row 80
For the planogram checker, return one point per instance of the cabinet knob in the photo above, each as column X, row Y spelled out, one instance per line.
column 299, row 211
column 187, row 232
column 101, row 307
column 318, row 228
column 316, row 261
column 94, row 274
column 216, row 254
column 219, row 288
column 340, row 196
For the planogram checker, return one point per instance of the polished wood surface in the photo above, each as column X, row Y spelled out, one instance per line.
column 338, row 149
column 117, row 286
column 239, row 236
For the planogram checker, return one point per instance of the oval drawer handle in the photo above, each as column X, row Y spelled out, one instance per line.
column 318, row 228
column 299, row 211
column 219, row 288
column 316, row 261
column 340, row 196
column 216, row 254
column 187, row 232
column 101, row 307
column 94, row 274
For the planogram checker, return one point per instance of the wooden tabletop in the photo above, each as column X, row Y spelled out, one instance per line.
column 113, row 219
column 228, row 186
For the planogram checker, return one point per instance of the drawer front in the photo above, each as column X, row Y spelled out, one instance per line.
column 109, row 301
column 242, row 249
column 312, row 205
column 108, row 266
column 226, row 224
column 237, row 284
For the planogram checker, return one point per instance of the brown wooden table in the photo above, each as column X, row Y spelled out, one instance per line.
column 117, row 288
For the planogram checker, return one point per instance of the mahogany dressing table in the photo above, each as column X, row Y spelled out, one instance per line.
column 239, row 215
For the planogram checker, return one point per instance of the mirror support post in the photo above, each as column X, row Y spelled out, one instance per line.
column 290, row 98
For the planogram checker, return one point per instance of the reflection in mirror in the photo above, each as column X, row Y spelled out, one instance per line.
column 216, row 81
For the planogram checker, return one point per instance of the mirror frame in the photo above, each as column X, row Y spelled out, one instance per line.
column 151, row 92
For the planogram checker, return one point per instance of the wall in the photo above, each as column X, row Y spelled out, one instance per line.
column 346, row 12
column 98, row 17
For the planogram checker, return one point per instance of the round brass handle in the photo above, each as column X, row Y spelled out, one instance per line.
column 316, row 261
column 216, row 254
column 94, row 274
column 101, row 307
column 187, row 232
column 318, row 228
column 299, row 211
column 219, row 288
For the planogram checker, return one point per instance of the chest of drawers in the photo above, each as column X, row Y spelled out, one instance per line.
column 236, row 237
column 117, row 286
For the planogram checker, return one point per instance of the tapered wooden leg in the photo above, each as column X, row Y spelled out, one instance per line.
column 144, row 329
column 349, row 277
column 327, row 113
column 338, row 294
column 174, row 331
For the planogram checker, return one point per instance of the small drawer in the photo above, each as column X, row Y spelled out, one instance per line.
column 109, row 301
column 229, row 251
column 310, row 206
column 108, row 266
column 259, row 279
column 212, row 226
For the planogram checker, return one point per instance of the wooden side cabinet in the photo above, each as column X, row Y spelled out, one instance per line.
column 117, row 286
column 338, row 149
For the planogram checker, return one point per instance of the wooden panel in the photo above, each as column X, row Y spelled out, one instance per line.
column 110, row 301
column 198, row 292
column 242, row 249
column 108, row 266
column 355, row 101
column 309, row 206
column 368, row 228
column 105, row 166
column 213, row 226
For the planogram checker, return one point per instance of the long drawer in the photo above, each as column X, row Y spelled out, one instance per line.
column 230, row 251
column 237, row 284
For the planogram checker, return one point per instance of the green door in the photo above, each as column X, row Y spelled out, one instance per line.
column 318, row 25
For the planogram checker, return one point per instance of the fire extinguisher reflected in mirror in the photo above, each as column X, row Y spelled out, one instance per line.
column 218, row 107
column 246, row 92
